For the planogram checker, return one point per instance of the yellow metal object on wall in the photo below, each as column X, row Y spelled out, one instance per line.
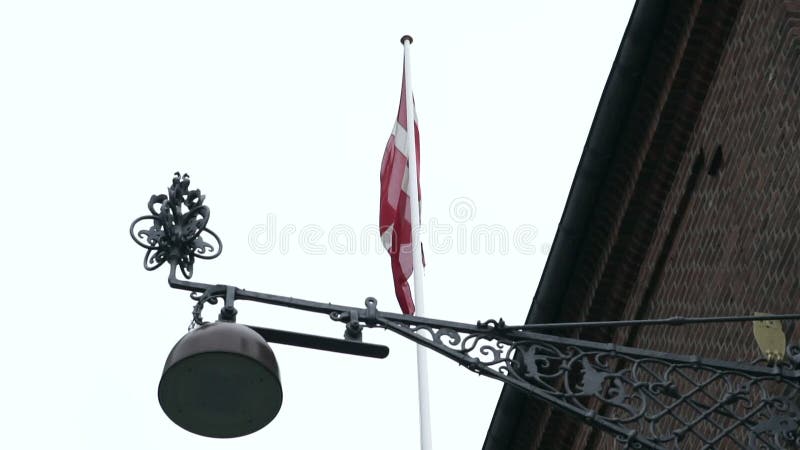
column 770, row 338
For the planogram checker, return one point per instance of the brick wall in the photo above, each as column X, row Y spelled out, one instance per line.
column 701, row 212
column 727, row 240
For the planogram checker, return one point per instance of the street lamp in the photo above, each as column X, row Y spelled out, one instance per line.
column 222, row 380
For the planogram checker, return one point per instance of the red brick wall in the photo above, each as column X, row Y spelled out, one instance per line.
column 736, row 248
column 668, row 238
column 730, row 243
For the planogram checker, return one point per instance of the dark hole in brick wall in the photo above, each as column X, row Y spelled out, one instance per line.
column 716, row 162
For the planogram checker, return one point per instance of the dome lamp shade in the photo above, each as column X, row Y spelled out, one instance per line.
column 221, row 380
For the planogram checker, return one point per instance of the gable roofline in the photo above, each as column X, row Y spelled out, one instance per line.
column 616, row 103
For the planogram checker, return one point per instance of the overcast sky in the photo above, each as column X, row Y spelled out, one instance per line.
column 280, row 112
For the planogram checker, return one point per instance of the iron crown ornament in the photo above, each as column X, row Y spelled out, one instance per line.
column 179, row 221
column 644, row 398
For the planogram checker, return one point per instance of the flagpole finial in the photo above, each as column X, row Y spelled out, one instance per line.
column 406, row 37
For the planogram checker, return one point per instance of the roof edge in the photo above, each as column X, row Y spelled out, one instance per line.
column 616, row 102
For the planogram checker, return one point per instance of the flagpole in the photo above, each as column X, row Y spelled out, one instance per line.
column 419, row 298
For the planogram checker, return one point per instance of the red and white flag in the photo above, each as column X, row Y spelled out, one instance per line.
column 395, row 211
column 399, row 224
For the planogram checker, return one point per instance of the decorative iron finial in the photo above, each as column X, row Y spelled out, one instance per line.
column 176, row 235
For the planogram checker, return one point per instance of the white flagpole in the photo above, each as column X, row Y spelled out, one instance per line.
column 419, row 300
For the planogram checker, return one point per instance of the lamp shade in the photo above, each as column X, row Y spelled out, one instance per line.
column 221, row 380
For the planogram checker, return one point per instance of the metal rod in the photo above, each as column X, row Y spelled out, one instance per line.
column 672, row 321
column 328, row 308
column 321, row 342
column 316, row 307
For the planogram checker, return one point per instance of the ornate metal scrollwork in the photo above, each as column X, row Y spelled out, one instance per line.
column 646, row 399
column 479, row 350
column 212, row 295
column 179, row 230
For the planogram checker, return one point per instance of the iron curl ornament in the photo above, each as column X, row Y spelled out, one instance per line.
column 643, row 398
column 178, row 232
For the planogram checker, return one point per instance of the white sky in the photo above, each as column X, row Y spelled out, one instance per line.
column 280, row 113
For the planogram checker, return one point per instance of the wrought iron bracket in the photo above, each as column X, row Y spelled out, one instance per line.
column 645, row 398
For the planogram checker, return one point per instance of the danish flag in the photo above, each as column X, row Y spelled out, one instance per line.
column 395, row 209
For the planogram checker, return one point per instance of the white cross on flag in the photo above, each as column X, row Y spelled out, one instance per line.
column 395, row 210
